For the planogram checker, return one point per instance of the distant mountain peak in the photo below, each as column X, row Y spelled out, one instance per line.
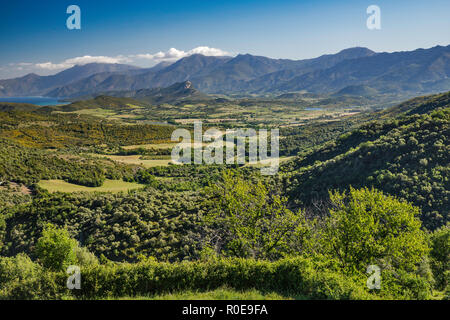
column 30, row 76
column 180, row 86
column 354, row 49
column 187, row 84
column 356, row 52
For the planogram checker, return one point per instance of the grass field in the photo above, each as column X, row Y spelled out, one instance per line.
column 135, row 159
column 98, row 112
column 152, row 146
column 218, row 294
column 161, row 146
column 267, row 162
column 108, row 186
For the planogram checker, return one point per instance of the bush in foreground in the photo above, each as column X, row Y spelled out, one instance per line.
column 291, row 277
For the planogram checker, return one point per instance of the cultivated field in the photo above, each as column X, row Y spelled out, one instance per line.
column 136, row 160
column 108, row 186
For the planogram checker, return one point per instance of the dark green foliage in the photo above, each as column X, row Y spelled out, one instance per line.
column 248, row 221
column 29, row 166
column 419, row 105
column 154, row 223
column 88, row 179
column 301, row 138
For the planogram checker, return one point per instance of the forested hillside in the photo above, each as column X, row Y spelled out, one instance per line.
column 407, row 156
column 46, row 129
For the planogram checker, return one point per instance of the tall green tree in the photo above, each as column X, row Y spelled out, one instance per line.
column 248, row 221
column 368, row 227
column 440, row 257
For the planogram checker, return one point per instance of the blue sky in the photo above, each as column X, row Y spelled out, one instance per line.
column 34, row 36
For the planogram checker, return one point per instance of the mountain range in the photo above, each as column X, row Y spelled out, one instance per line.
column 353, row 71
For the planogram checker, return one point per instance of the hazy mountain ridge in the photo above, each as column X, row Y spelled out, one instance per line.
column 32, row 84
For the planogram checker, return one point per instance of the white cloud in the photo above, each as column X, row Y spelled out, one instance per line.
column 206, row 51
column 52, row 66
column 143, row 60
column 81, row 61
column 98, row 59
column 174, row 54
column 171, row 55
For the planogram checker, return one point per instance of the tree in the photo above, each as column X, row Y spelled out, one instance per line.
column 55, row 249
column 368, row 227
column 440, row 256
column 247, row 220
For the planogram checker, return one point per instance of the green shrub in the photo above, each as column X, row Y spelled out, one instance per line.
column 296, row 277
column 21, row 279
column 84, row 257
column 440, row 257
column 55, row 249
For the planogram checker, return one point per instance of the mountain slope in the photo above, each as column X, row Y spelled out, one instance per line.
column 325, row 61
column 209, row 74
column 176, row 93
column 421, row 70
column 161, row 75
column 407, row 156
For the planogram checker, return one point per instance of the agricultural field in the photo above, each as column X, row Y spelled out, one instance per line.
column 240, row 113
column 113, row 186
column 137, row 160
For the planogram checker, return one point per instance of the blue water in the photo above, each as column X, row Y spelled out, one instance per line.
column 312, row 109
column 40, row 101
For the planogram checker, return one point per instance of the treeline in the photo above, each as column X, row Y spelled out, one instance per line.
column 301, row 138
